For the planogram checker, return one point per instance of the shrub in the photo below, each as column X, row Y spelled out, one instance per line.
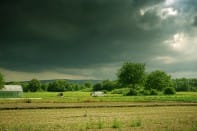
column 169, row 91
column 120, row 91
column 104, row 91
column 146, row 92
column 132, row 92
column 153, row 92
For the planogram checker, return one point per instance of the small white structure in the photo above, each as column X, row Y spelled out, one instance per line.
column 10, row 91
column 97, row 93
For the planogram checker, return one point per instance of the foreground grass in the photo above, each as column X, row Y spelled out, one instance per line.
column 123, row 118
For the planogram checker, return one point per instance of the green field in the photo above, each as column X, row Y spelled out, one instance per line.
column 51, row 97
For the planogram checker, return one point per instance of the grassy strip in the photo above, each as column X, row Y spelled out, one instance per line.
column 81, row 97
column 89, row 105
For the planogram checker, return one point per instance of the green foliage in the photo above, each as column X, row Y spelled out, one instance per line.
column 146, row 92
column 1, row 81
column 58, row 86
column 88, row 85
column 153, row 92
column 105, row 85
column 34, row 85
column 120, row 91
column 109, row 85
column 132, row 92
column 169, row 91
column 131, row 74
column 158, row 80
column 97, row 87
column 44, row 86
column 25, row 86
column 185, row 84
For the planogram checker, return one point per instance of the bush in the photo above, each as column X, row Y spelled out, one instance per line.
column 132, row 92
column 169, row 91
column 146, row 92
column 25, row 88
column 153, row 92
column 120, row 91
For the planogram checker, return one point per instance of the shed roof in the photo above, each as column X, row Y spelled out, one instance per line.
column 12, row 88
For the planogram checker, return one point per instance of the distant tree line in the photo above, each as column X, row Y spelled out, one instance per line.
column 132, row 79
column 185, row 84
column 35, row 85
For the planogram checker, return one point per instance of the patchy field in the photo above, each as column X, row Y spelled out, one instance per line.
column 120, row 118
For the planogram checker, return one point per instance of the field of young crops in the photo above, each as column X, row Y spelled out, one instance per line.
column 165, row 118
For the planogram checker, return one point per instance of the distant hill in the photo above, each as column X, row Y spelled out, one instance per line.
column 71, row 81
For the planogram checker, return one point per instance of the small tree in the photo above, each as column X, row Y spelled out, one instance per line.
column 34, row 85
column 169, row 91
column 1, row 81
column 25, row 86
column 109, row 85
column 158, row 80
column 97, row 87
column 131, row 74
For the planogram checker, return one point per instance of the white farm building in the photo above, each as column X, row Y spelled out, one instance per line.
column 10, row 91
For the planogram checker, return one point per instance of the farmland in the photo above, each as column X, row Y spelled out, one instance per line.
column 127, row 118
column 80, row 111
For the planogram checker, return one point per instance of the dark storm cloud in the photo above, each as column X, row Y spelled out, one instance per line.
column 37, row 35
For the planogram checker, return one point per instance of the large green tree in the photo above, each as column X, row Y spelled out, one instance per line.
column 131, row 74
column 158, row 80
column 34, row 85
column 1, row 81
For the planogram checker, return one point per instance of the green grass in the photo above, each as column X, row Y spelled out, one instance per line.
column 70, row 97
column 116, row 123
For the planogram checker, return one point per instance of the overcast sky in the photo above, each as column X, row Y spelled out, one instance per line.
column 91, row 39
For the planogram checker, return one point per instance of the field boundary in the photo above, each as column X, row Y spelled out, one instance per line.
column 23, row 106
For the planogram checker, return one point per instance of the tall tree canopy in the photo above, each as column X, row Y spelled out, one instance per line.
column 34, row 85
column 158, row 80
column 131, row 74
